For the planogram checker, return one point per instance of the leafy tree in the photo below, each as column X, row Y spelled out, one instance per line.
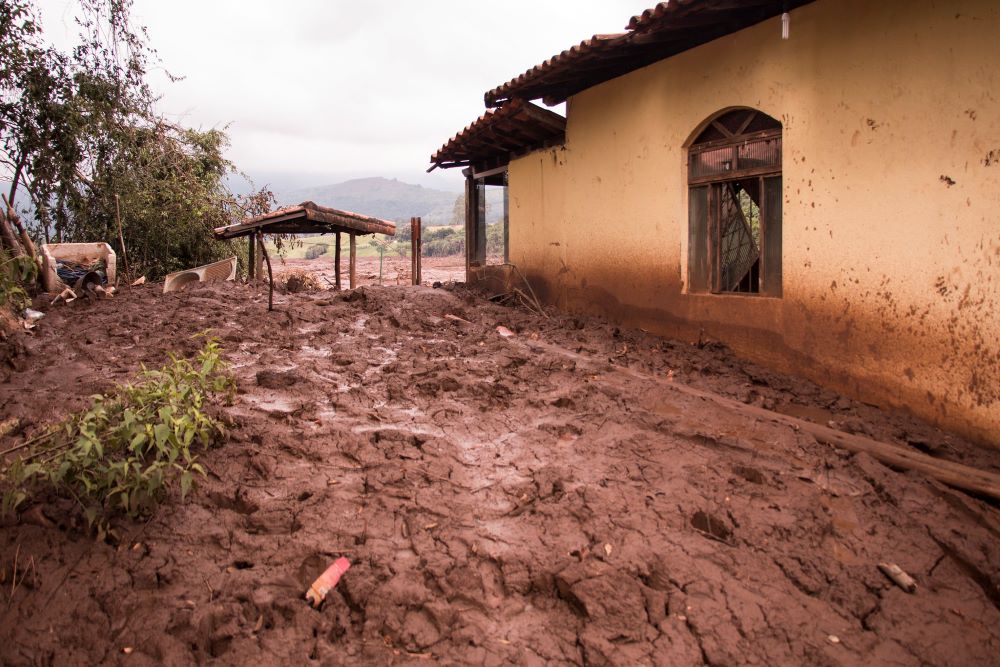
column 458, row 211
column 316, row 250
column 444, row 242
column 80, row 135
column 494, row 239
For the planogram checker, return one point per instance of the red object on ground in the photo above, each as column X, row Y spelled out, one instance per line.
column 326, row 581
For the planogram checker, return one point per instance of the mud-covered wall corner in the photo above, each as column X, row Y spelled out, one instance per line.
column 891, row 221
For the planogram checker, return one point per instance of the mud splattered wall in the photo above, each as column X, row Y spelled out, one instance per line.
column 891, row 225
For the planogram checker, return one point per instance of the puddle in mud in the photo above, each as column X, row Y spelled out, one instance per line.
column 315, row 352
column 273, row 404
column 308, row 329
column 326, row 414
column 711, row 526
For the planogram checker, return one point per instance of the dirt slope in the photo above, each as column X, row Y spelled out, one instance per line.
column 522, row 499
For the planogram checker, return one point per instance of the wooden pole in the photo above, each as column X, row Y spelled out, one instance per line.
column 121, row 240
column 471, row 207
column 953, row 474
column 258, row 267
column 270, row 275
column 354, row 259
column 251, row 260
column 420, row 251
column 414, row 252
column 336, row 261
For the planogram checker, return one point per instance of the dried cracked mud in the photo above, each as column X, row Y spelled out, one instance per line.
column 543, row 498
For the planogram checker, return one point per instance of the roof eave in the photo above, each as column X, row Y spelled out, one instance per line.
column 666, row 30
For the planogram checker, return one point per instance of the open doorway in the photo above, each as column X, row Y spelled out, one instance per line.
column 487, row 217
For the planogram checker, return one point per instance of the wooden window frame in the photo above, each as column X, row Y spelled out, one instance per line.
column 705, row 207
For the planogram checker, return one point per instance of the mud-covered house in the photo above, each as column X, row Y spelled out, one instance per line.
column 815, row 184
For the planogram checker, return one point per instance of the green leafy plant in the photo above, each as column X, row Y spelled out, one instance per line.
column 15, row 273
column 123, row 453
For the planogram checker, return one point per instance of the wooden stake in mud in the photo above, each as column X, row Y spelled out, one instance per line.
column 354, row 259
column 336, row 261
column 420, row 251
column 415, row 246
column 121, row 240
column 270, row 275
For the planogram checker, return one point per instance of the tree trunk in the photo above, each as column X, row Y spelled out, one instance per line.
column 17, row 177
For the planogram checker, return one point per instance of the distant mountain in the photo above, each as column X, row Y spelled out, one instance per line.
column 385, row 198
column 380, row 197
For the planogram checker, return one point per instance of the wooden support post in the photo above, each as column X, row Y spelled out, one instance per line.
column 506, row 220
column 420, row 251
column 270, row 275
column 258, row 266
column 251, row 261
column 336, row 262
column 354, row 260
column 481, row 222
column 414, row 252
column 470, row 221
column 413, row 261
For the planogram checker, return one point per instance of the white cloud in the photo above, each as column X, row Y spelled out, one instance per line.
column 328, row 90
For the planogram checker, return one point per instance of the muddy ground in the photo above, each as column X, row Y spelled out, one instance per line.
column 540, row 498
column 395, row 270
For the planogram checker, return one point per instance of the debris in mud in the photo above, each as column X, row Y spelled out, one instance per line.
column 67, row 295
column 327, row 581
column 711, row 526
column 898, row 577
column 8, row 426
column 296, row 281
column 32, row 315
column 750, row 474
column 277, row 379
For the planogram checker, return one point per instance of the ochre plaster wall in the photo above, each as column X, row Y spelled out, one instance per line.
column 891, row 225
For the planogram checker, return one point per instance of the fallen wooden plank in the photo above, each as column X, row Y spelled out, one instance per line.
column 953, row 474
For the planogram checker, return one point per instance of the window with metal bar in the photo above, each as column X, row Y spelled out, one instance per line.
column 734, row 205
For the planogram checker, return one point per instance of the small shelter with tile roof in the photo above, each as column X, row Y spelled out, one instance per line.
column 308, row 218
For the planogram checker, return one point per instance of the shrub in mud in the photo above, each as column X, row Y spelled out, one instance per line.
column 129, row 447
column 15, row 274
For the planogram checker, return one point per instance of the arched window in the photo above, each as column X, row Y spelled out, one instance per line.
column 734, row 205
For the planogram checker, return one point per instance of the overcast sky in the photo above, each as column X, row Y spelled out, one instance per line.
column 316, row 92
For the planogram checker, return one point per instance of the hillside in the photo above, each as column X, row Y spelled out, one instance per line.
column 392, row 199
column 380, row 197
